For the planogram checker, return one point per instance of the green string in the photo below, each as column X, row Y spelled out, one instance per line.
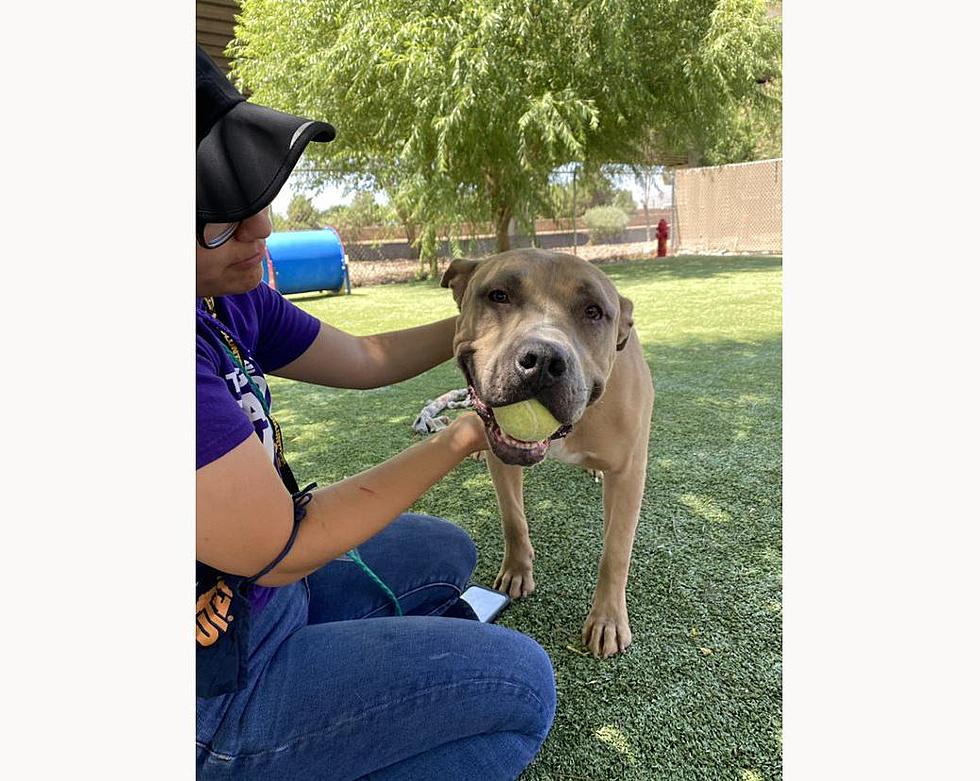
column 356, row 558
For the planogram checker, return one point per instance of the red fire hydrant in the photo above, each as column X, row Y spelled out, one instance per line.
column 663, row 233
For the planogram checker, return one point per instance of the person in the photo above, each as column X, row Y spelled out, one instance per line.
column 331, row 640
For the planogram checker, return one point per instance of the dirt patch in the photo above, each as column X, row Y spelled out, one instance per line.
column 382, row 272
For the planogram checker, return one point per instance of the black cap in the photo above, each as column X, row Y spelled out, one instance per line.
column 245, row 152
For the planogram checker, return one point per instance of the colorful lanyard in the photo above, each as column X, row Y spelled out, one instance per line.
column 235, row 352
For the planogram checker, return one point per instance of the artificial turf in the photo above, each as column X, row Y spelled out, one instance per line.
column 698, row 695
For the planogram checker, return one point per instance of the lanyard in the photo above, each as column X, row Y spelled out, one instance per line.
column 235, row 352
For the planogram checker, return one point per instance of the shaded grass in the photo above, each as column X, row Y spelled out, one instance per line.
column 699, row 693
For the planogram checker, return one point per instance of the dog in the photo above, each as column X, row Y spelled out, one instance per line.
column 550, row 326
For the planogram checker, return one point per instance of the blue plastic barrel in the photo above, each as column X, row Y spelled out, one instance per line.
column 304, row 261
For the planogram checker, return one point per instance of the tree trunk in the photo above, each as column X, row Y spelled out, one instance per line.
column 434, row 264
column 428, row 258
column 502, row 224
column 411, row 234
column 501, row 211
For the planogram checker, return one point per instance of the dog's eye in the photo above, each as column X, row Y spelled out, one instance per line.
column 499, row 297
column 593, row 312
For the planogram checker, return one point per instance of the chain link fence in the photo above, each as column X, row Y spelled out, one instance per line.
column 602, row 216
column 734, row 208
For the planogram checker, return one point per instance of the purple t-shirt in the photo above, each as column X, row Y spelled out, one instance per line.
column 270, row 332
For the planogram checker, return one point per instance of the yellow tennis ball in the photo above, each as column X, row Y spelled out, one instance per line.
column 528, row 420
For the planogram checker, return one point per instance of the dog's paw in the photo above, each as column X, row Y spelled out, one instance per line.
column 607, row 631
column 516, row 577
column 595, row 474
column 479, row 455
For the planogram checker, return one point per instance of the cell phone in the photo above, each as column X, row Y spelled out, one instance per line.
column 486, row 603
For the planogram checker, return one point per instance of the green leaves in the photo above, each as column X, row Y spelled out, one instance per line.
column 606, row 222
column 461, row 110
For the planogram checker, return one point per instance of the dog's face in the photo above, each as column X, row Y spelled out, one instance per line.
column 535, row 325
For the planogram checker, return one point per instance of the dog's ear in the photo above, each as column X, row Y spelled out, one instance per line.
column 457, row 276
column 625, row 322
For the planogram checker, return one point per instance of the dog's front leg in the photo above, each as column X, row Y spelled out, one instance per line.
column 516, row 575
column 607, row 627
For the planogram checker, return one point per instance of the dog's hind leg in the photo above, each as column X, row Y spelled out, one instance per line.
column 516, row 575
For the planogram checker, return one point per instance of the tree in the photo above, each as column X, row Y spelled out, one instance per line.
column 593, row 188
column 362, row 212
column 461, row 111
column 606, row 223
column 752, row 131
column 301, row 215
column 752, row 128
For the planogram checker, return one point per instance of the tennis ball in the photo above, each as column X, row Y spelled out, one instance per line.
column 528, row 420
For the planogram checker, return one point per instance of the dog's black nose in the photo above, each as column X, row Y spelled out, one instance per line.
column 541, row 363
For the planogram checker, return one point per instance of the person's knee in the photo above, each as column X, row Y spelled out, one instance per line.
column 541, row 675
column 449, row 544
column 525, row 657
column 463, row 551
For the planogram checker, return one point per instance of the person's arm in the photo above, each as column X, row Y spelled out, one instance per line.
column 245, row 514
column 341, row 360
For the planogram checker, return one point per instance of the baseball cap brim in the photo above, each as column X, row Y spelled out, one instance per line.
column 246, row 157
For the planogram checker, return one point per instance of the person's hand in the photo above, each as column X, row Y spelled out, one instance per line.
column 469, row 432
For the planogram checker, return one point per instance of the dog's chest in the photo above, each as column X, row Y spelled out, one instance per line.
column 559, row 451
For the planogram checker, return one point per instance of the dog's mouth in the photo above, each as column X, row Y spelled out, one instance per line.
column 508, row 449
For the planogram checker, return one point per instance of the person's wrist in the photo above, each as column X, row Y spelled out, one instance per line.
column 468, row 433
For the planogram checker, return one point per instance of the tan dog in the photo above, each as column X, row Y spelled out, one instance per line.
column 550, row 326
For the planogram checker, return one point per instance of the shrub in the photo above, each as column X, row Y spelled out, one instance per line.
column 605, row 223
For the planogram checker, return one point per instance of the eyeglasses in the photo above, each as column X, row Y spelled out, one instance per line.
column 213, row 234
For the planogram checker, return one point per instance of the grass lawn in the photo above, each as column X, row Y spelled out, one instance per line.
column 698, row 695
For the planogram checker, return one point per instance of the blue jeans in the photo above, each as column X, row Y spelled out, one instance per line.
column 418, row 697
